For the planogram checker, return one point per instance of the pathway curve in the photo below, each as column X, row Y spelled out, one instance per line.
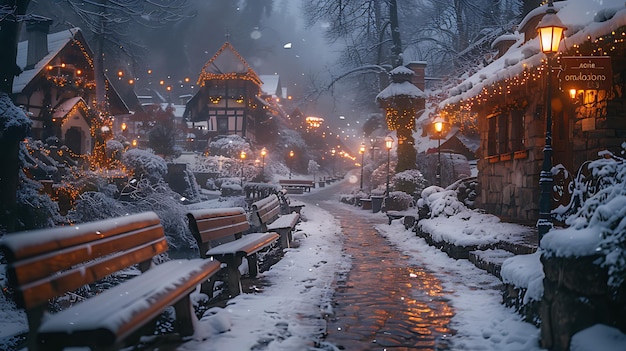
column 383, row 302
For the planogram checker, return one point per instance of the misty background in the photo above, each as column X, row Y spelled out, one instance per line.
column 308, row 43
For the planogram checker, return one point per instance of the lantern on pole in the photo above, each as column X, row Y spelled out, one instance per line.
column 550, row 30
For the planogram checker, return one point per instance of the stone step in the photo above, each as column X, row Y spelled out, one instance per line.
column 490, row 260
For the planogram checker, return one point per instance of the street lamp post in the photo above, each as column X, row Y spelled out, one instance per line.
column 242, row 155
column 362, row 152
column 438, row 123
column 550, row 30
column 263, row 153
column 332, row 152
column 290, row 162
column 388, row 145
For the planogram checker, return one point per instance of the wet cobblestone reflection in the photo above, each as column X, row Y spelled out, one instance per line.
column 383, row 303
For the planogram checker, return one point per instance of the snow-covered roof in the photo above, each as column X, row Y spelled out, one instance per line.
column 506, row 37
column 226, row 62
column 56, row 42
column 585, row 19
column 401, row 85
column 401, row 89
column 66, row 106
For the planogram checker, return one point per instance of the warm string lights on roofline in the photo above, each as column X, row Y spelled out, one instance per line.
column 607, row 45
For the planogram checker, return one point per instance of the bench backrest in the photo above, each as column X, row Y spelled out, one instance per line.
column 265, row 211
column 211, row 227
column 46, row 263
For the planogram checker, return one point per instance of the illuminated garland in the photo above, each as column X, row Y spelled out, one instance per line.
column 249, row 75
column 400, row 118
column 609, row 44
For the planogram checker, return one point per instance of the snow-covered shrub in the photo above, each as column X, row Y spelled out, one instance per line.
column 466, row 190
column 604, row 213
column 378, row 179
column 229, row 146
column 353, row 198
column 144, row 164
column 139, row 196
column 33, row 210
column 441, row 202
column 411, row 182
column 114, row 149
column 398, row 201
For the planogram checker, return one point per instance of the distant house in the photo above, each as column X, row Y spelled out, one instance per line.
column 506, row 100
column 228, row 98
column 57, row 86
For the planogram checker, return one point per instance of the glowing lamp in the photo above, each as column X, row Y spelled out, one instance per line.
column 550, row 30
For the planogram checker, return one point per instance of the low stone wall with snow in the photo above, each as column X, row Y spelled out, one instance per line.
column 576, row 297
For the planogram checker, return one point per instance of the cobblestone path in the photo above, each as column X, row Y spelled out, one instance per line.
column 383, row 302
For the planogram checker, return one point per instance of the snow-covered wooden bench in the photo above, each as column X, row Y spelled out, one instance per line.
column 48, row 263
column 408, row 216
column 296, row 186
column 220, row 234
column 287, row 205
column 266, row 215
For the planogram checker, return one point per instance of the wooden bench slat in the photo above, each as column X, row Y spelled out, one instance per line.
column 248, row 244
column 219, row 234
column 284, row 221
column 19, row 246
column 113, row 315
column 271, row 205
column 48, row 263
column 40, row 291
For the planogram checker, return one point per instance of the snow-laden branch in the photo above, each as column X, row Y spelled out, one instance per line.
column 361, row 69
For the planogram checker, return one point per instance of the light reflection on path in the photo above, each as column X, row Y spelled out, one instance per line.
column 384, row 303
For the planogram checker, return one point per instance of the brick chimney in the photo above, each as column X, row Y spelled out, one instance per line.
column 37, row 29
column 418, row 68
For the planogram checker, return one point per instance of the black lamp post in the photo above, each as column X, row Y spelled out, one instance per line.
column 362, row 152
column 290, row 162
column 438, row 124
column 263, row 154
column 550, row 30
column 332, row 152
column 388, row 145
column 242, row 155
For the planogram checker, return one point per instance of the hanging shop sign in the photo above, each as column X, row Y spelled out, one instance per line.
column 586, row 73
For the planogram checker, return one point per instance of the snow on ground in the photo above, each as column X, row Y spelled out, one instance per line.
column 287, row 314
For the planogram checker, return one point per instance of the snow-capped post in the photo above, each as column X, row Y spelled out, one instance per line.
column 550, row 30
column 401, row 100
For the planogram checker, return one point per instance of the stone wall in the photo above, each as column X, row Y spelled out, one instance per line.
column 576, row 297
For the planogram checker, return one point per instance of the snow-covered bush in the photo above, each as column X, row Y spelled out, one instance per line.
column 398, row 201
column 229, row 146
column 603, row 217
column 441, row 202
column 144, row 164
column 138, row 196
column 378, row 179
column 114, row 149
column 466, row 190
column 411, row 182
